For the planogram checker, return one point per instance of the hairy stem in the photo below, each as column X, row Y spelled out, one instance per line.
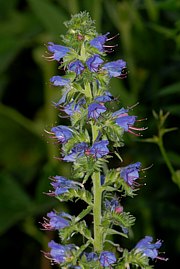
column 97, row 191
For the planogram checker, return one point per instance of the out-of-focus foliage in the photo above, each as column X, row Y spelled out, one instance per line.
column 150, row 43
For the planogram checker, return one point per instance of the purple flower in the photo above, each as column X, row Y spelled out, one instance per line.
column 73, row 107
column 99, row 149
column 99, row 41
column 61, row 185
column 115, row 68
column 104, row 98
column 77, row 151
column 59, row 81
column 92, row 256
column 56, row 221
column 94, row 62
column 107, row 258
column 57, row 51
column 62, row 133
column 126, row 122
column 63, row 98
column 60, row 253
column 130, row 173
column 76, row 67
column 94, row 110
column 147, row 248
column 114, row 206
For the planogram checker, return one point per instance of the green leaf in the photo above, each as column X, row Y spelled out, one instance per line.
column 18, row 155
column 112, row 231
column 171, row 89
column 82, row 194
column 50, row 16
column 81, row 227
column 15, row 203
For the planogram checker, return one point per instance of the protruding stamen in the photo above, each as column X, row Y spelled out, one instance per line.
column 111, row 38
column 137, row 128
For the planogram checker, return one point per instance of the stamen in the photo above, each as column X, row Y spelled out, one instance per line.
column 146, row 168
column 137, row 128
column 134, row 133
column 131, row 107
column 110, row 46
column 112, row 37
column 142, row 119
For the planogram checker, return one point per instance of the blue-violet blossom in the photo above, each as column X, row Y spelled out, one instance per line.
column 113, row 205
column 99, row 41
column 62, row 133
column 126, row 122
column 58, row 51
column 115, row 68
column 77, row 151
column 56, row 221
column 61, row 185
column 94, row 62
column 99, row 149
column 107, row 258
column 130, row 173
column 59, row 81
column 60, row 253
column 76, row 67
column 95, row 110
column 147, row 248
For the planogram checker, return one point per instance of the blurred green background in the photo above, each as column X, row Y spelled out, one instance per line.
column 150, row 43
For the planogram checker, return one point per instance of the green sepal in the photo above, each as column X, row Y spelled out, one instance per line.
column 82, row 194
column 136, row 258
column 114, row 133
column 86, row 166
column 113, row 179
column 74, row 228
column 84, row 213
column 112, row 231
column 124, row 219
column 77, row 138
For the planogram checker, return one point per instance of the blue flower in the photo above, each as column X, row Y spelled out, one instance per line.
column 99, row 41
column 94, row 62
column 91, row 256
column 56, row 221
column 99, row 149
column 115, row 68
column 95, row 110
column 107, row 258
column 104, row 98
column 77, row 151
column 57, row 51
column 62, row 133
column 60, row 253
column 63, row 98
column 113, row 205
column 61, row 185
column 147, row 248
column 73, row 107
column 76, row 67
column 126, row 122
column 59, row 81
column 130, row 173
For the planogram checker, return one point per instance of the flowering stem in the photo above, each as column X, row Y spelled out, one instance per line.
column 165, row 156
column 97, row 190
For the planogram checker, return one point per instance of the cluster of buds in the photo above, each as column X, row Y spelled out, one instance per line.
column 94, row 132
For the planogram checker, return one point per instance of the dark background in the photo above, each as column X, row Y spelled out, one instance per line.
column 150, row 43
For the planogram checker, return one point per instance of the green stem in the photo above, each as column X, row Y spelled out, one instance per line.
column 97, row 190
column 165, row 156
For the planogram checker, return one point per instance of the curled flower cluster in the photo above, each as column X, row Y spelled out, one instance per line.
column 94, row 133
